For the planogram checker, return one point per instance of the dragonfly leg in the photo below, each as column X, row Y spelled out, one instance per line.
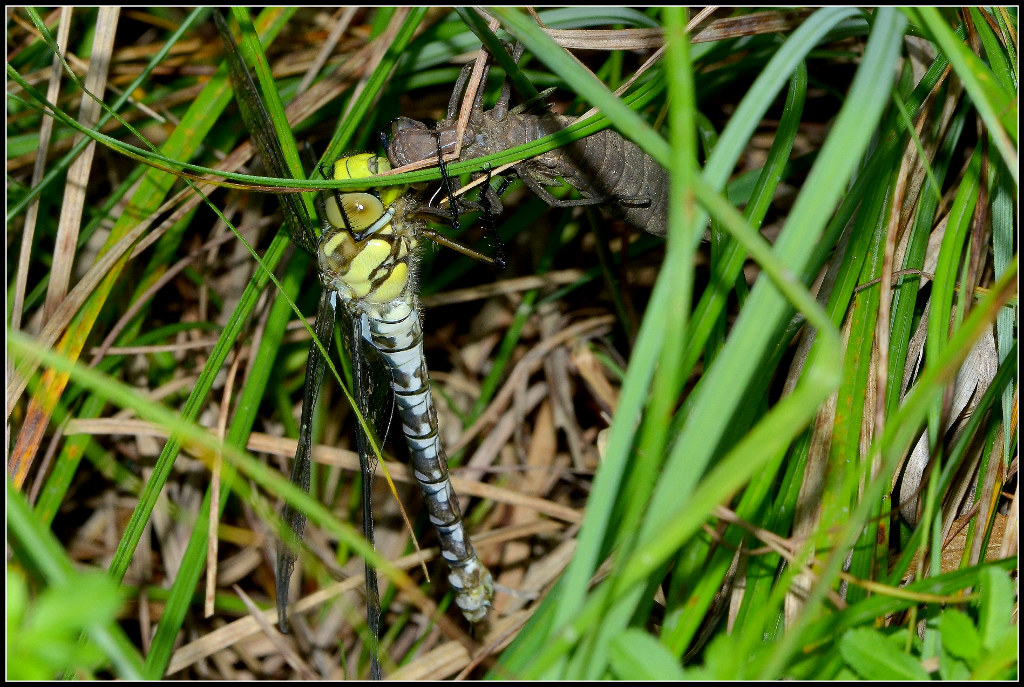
column 457, row 92
column 501, row 107
column 490, row 202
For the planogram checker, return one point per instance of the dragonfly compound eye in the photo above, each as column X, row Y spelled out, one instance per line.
column 356, row 212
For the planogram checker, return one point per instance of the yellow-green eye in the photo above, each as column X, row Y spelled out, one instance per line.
column 359, row 209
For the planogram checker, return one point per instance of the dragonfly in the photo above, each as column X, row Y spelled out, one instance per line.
column 365, row 256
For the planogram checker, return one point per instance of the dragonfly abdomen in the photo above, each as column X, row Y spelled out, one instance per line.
column 398, row 338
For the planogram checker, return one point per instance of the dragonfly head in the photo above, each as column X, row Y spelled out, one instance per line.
column 361, row 212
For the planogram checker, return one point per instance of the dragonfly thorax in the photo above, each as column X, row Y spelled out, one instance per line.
column 375, row 269
column 367, row 243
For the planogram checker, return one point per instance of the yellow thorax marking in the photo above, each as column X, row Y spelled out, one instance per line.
column 376, row 268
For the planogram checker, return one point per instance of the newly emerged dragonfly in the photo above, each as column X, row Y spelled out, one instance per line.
column 367, row 268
